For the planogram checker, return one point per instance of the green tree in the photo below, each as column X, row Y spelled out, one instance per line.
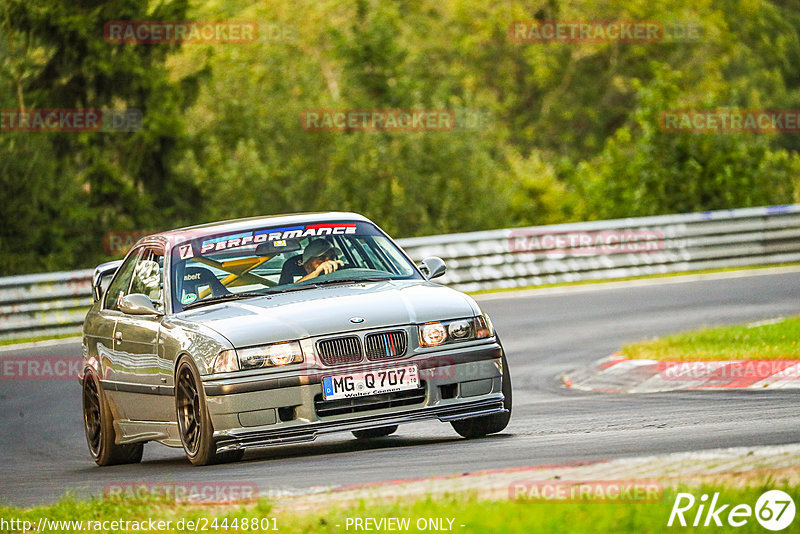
column 67, row 189
column 644, row 170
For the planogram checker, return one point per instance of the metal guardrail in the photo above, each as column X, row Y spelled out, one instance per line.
column 55, row 303
column 44, row 304
column 670, row 243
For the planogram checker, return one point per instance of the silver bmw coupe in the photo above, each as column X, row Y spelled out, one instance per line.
column 262, row 331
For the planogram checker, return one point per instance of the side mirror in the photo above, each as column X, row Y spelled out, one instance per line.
column 138, row 304
column 102, row 276
column 434, row 266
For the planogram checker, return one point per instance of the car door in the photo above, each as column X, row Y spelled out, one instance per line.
column 140, row 373
column 106, row 325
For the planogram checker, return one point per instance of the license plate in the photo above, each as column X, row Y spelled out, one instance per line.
column 370, row 382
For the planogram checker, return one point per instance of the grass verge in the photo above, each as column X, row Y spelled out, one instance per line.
column 456, row 513
column 17, row 341
column 777, row 339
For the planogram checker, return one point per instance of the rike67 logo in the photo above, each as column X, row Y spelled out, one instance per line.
column 774, row 510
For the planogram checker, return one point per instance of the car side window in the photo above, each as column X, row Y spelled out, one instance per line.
column 148, row 275
column 121, row 282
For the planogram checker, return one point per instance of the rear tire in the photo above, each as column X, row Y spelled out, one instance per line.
column 477, row 427
column 194, row 421
column 375, row 432
column 98, row 423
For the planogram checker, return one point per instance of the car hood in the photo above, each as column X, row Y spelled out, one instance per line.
column 329, row 310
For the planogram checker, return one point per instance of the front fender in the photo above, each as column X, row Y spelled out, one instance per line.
column 198, row 341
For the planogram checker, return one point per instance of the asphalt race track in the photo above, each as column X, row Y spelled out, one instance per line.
column 43, row 450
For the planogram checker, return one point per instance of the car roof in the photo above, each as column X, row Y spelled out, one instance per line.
column 170, row 237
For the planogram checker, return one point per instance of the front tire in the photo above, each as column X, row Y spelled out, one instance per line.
column 477, row 427
column 98, row 423
column 194, row 421
column 375, row 432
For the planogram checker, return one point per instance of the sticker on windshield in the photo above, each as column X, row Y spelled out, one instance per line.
column 188, row 298
column 276, row 234
column 186, row 251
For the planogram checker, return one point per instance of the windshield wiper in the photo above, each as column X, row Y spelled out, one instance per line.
column 299, row 286
column 295, row 287
column 222, row 298
column 353, row 280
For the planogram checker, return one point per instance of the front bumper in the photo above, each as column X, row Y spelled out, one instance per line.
column 457, row 383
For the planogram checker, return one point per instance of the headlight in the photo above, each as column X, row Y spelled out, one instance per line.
column 438, row 333
column 432, row 334
column 226, row 362
column 483, row 327
column 275, row 355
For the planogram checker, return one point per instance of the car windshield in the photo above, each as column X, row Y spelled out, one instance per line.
column 277, row 259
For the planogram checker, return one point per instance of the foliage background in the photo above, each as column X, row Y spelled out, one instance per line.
column 568, row 131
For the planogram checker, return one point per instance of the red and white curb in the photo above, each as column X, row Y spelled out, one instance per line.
column 622, row 375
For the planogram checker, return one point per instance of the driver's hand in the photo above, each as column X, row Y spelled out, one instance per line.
column 327, row 267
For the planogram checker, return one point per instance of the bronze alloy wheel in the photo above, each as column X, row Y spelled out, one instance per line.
column 188, row 402
column 98, row 423
column 91, row 416
column 194, row 421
